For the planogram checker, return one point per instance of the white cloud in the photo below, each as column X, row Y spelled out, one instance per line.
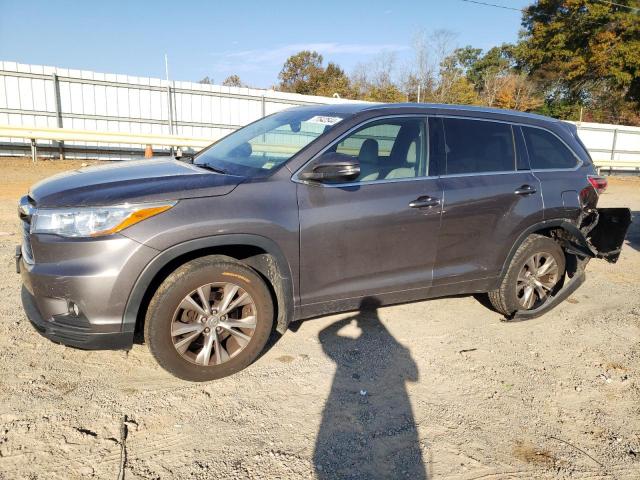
column 256, row 59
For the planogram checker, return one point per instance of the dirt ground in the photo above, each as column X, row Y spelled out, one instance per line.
column 437, row 389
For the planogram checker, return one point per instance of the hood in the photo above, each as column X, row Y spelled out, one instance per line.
column 131, row 182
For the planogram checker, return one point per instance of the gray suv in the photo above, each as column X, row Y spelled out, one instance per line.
column 305, row 213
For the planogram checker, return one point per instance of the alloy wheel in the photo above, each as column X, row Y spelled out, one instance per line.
column 213, row 323
column 537, row 278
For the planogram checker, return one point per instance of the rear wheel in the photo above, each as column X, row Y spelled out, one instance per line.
column 210, row 318
column 535, row 273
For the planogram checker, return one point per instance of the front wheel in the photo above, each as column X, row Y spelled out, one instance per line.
column 209, row 319
column 535, row 273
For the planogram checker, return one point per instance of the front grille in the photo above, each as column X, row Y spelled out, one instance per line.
column 27, row 253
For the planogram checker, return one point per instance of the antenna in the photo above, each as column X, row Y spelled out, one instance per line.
column 166, row 66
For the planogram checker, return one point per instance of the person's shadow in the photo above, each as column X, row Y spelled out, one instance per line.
column 368, row 430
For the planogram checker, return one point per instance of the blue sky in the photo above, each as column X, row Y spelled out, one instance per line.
column 250, row 38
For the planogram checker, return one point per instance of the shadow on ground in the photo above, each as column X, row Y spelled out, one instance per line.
column 633, row 234
column 368, row 429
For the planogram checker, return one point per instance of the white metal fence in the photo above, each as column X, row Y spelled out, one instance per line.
column 39, row 96
column 612, row 147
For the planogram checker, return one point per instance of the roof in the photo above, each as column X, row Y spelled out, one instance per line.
column 457, row 108
column 352, row 108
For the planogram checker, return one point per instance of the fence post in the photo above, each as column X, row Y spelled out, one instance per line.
column 170, row 95
column 613, row 146
column 34, row 151
column 58, row 102
column 170, row 106
column 264, row 106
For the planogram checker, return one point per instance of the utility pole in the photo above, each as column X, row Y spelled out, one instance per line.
column 169, row 99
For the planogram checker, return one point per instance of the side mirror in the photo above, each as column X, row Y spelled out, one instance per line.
column 333, row 166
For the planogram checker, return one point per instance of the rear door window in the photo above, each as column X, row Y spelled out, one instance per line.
column 478, row 146
column 546, row 151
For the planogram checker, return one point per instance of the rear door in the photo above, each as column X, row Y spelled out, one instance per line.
column 490, row 196
column 376, row 235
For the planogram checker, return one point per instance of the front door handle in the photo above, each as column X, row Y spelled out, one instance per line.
column 425, row 202
column 525, row 190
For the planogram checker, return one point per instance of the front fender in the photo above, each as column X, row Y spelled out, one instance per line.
column 284, row 291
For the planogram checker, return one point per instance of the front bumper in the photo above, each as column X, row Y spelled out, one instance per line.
column 74, row 332
column 76, row 291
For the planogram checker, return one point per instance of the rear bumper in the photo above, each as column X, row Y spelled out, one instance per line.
column 605, row 239
column 72, row 331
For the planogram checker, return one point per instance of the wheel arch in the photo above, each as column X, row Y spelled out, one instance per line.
column 544, row 228
column 259, row 253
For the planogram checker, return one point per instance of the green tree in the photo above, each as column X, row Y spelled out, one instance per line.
column 331, row 81
column 583, row 51
column 388, row 93
column 301, row 73
column 304, row 73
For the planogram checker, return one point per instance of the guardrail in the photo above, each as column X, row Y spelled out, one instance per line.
column 66, row 134
column 604, row 159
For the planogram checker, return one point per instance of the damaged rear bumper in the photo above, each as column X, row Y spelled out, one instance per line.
column 605, row 238
column 601, row 236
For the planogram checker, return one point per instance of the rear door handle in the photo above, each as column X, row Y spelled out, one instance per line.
column 425, row 202
column 525, row 190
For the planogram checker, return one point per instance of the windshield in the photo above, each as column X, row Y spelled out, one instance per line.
column 266, row 144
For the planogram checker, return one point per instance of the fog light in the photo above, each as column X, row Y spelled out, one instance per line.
column 74, row 309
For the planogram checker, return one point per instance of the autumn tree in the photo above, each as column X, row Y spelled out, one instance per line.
column 374, row 80
column 514, row 91
column 301, row 73
column 233, row 81
column 582, row 51
column 333, row 81
column 452, row 85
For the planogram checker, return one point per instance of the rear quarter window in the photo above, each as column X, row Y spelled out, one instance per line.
column 546, row 151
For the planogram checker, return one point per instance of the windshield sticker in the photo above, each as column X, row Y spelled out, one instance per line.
column 268, row 165
column 324, row 120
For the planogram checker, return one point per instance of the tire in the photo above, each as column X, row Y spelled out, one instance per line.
column 510, row 295
column 194, row 343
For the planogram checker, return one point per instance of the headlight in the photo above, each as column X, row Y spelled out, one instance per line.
column 93, row 221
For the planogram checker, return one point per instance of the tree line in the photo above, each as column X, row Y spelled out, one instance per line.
column 574, row 59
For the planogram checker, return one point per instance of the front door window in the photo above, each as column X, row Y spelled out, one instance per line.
column 387, row 149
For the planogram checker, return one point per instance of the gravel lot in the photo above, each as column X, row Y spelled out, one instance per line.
column 438, row 389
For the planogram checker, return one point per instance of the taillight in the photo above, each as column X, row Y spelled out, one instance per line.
column 599, row 183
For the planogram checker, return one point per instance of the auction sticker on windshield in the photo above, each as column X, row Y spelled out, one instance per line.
column 324, row 120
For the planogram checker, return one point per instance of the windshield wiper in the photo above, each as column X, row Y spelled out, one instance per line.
column 208, row 166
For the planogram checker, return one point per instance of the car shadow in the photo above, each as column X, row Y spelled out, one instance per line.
column 368, row 429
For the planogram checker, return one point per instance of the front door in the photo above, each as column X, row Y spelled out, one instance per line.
column 375, row 236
